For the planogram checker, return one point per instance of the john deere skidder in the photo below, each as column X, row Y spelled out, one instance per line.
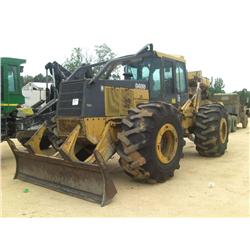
column 137, row 106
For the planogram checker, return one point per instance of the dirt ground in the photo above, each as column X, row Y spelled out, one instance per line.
column 202, row 187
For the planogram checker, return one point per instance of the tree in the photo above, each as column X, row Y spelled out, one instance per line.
column 217, row 87
column 39, row 78
column 77, row 58
column 244, row 97
column 103, row 53
column 27, row 79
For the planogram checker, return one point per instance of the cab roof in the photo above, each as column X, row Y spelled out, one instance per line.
column 150, row 48
column 11, row 60
column 170, row 56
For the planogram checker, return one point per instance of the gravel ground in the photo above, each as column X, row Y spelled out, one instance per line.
column 202, row 187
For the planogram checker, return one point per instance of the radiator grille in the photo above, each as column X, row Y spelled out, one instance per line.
column 68, row 92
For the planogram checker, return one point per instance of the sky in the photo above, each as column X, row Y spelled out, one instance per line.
column 213, row 36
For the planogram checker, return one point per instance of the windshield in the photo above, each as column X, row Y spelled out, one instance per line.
column 139, row 70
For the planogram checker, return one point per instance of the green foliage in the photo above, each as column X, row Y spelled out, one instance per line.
column 38, row 78
column 101, row 53
column 41, row 78
column 75, row 60
column 27, row 79
column 244, row 97
column 217, row 87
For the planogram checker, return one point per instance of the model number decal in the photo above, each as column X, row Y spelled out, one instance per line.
column 75, row 101
column 140, row 86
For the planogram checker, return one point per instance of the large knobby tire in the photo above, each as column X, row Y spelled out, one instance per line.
column 234, row 123
column 230, row 123
column 211, row 130
column 245, row 121
column 151, row 142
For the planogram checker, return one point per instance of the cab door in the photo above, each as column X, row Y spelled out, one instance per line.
column 168, row 86
column 11, row 87
column 181, row 83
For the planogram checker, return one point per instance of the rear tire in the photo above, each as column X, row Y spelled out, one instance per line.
column 234, row 124
column 151, row 142
column 230, row 123
column 211, row 130
column 245, row 121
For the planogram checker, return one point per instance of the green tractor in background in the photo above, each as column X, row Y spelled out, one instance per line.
column 11, row 95
column 236, row 106
column 245, row 99
column 18, row 121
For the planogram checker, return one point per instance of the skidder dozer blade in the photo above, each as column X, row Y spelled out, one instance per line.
column 62, row 172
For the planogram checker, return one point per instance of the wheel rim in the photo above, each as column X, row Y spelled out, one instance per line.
column 223, row 130
column 166, row 143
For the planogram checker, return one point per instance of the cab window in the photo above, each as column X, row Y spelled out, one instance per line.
column 2, row 84
column 137, row 72
column 155, row 79
column 145, row 73
column 146, row 70
column 180, row 78
column 12, row 78
column 168, row 77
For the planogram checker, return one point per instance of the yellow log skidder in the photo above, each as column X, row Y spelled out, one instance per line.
column 140, row 106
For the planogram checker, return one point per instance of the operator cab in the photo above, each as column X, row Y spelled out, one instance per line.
column 163, row 75
column 124, row 82
column 11, row 83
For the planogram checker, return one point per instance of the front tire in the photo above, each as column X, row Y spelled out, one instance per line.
column 151, row 142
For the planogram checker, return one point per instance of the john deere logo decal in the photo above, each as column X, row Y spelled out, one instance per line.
column 140, row 86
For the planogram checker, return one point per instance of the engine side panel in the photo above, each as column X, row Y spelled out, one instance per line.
column 100, row 99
